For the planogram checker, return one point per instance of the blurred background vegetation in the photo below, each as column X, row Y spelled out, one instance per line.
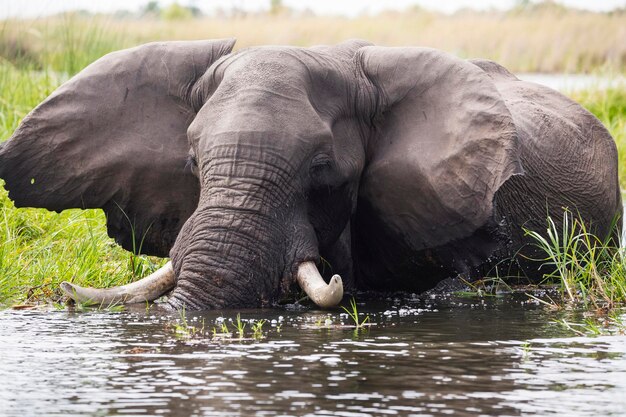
column 530, row 37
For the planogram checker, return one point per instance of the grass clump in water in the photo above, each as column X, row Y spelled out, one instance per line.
column 589, row 271
column 240, row 326
column 183, row 329
column 353, row 313
column 257, row 329
column 221, row 332
column 612, row 323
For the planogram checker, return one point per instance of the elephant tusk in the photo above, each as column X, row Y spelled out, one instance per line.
column 146, row 289
column 322, row 294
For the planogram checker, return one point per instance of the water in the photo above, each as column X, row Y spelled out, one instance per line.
column 574, row 82
column 423, row 357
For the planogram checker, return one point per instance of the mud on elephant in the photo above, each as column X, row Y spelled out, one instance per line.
column 400, row 166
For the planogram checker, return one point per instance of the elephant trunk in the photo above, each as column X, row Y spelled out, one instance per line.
column 147, row 289
column 227, row 257
column 236, row 257
column 322, row 294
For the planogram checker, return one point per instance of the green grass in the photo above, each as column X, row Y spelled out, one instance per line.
column 257, row 329
column 610, row 107
column 588, row 270
column 21, row 90
column 221, row 332
column 39, row 249
column 353, row 313
column 240, row 326
column 184, row 329
column 611, row 323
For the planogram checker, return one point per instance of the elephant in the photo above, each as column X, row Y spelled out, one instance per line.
column 398, row 166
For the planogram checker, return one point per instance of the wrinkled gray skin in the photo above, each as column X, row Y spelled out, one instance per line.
column 399, row 166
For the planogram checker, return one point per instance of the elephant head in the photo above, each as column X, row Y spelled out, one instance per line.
column 220, row 160
column 248, row 167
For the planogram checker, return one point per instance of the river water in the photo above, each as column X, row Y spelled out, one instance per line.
column 575, row 82
column 423, row 357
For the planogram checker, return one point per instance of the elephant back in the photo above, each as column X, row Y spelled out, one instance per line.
column 569, row 162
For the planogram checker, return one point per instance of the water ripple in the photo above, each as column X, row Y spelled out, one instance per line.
column 421, row 359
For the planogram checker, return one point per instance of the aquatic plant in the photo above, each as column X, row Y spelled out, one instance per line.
column 486, row 287
column 221, row 332
column 183, row 329
column 589, row 271
column 611, row 323
column 257, row 329
column 353, row 313
column 526, row 350
column 323, row 321
column 87, row 306
column 240, row 326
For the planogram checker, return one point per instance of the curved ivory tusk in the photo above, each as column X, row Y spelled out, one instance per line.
column 146, row 289
column 322, row 294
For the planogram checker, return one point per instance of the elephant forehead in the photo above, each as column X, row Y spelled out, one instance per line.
column 247, row 117
column 309, row 71
column 277, row 66
column 276, row 110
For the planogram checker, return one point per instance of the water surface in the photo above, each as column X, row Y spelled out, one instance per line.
column 452, row 356
column 575, row 82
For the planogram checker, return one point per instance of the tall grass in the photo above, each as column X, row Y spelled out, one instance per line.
column 590, row 271
column 39, row 249
column 21, row 90
column 539, row 39
column 63, row 45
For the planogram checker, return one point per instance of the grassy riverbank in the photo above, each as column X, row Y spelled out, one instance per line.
column 39, row 249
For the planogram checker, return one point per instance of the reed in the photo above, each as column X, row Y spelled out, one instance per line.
column 589, row 270
column 547, row 38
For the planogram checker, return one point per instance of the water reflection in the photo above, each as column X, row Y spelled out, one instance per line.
column 424, row 357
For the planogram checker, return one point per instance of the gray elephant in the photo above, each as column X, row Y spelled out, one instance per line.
column 400, row 166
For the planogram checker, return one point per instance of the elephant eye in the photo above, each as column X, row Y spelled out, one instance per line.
column 191, row 161
column 320, row 163
column 321, row 171
column 192, row 164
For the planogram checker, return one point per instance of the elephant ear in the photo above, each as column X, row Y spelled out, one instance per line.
column 444, row 143
column 114, row 137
